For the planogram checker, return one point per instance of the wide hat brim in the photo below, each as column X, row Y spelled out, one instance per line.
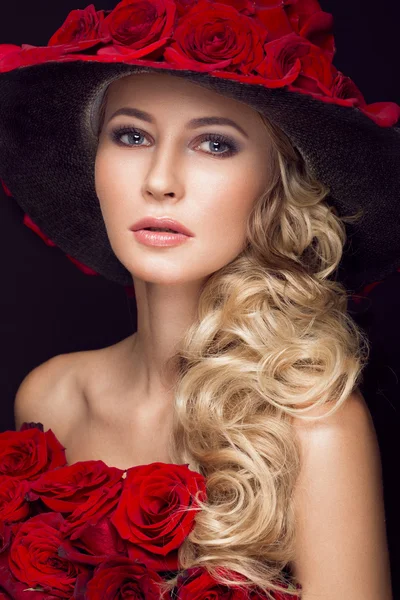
column 48, row 150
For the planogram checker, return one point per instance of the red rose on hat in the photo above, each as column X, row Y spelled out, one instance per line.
column 123, row 578
column 28, row 55
column 152, row 513
column 27, row 453
column 80, row 30
column 273, row 15
column 8, row 55
column 138, row 28
column 292, row 59
column 216, row 36
column 384, row 114
column 308, row 20
column 318, row 30
column 344, row 87
column 34, row 557
column 66, row 489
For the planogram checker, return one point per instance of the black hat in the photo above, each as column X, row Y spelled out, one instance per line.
column 274, row 56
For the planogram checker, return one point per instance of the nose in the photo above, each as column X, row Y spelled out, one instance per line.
column 164, row 177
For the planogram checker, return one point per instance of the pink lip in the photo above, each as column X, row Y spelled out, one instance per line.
column 161, row 222
column 160, row 238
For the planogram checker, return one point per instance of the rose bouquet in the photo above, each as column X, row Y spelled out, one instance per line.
column 90, row 531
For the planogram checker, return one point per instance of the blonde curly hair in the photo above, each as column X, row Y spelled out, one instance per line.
column 273, row 339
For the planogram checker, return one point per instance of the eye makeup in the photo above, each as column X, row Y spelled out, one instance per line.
column 214, row 138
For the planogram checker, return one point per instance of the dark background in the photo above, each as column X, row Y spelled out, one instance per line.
column 48, row 306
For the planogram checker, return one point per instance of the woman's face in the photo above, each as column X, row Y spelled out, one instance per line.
column 205, row 176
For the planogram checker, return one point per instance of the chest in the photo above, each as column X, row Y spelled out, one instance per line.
column 115, row 423
column 120, row 441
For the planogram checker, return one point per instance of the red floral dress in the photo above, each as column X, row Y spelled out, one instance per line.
column 90, row 531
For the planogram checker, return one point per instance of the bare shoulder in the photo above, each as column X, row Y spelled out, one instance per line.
column 51, row 392
column 345, row 440
column 338, row 503
column 352, row 415
column 61, row 391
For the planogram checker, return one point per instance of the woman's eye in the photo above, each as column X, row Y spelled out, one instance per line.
column 134, row 135
column 216, row 144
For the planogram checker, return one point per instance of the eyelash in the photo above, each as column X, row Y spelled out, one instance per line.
column 117, row 133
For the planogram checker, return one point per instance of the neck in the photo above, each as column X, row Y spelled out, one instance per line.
column 164, row 314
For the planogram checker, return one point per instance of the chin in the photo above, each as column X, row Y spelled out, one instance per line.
column 159, row 275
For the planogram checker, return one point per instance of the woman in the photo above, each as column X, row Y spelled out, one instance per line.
column 245, row 364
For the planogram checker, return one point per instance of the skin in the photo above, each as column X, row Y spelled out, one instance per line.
column 173, row 170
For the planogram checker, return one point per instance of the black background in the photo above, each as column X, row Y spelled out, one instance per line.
column 48, row 306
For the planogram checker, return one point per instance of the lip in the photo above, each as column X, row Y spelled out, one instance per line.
column 166, row 222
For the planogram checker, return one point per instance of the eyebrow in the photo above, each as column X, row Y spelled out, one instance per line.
column 192, row 124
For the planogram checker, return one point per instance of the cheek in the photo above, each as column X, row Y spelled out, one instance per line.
column 114, row 188
column 226, row 208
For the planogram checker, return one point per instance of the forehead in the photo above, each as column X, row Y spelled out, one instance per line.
column 162, row 90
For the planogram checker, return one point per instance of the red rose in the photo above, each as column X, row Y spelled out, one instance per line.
column 80, row 29
column 272, row 14
column 247, row 7
column 5, row 536
column 198, row 584
column 120, row 578
column 29, row 55
column 296, row 61
column 385, row 114
column 300, row 11
column 8, row 55
column 34, row 558
column 95, row 544
column 139, row 27
column 344, row 87
column 281, row 65
column 152, row 511
column 8, row 49
column 13, row 504
column 12, row 589
column 27, row 453
column 244, row 6
column 98, row 504
column 67, row 488
column 216, row 36
column 318, row 30
column 182, row 6
column 304, row 18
